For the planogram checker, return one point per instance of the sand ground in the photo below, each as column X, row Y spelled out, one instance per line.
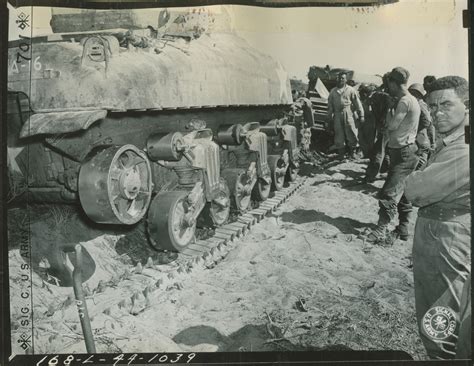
column 300, row 280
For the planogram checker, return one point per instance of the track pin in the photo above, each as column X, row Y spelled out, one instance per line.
column 221, row 247
column 247, row 222
column 233, row 232
column 198, row 261
column 149, row 263
column 138, row 268
column 223, row 236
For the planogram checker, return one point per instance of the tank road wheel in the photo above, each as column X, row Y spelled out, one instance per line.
column 238, row 183
column 291, row 174
column 278, row 168
column 261, row 190
column 216, row 212
column 115, row 185
column 168, row 226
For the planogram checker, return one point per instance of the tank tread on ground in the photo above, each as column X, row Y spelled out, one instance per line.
column 134, row 291
column 124, row 121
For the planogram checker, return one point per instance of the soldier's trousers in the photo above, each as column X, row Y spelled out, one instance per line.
column 391, row 198
column 441, row 269
column 345, row 129
column 367, row 135
column 377, row 157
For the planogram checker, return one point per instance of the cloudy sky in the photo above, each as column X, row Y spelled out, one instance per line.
column 425, row 36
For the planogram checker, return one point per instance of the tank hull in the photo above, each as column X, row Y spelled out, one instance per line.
column 213, row 70
column 91, row 90
column 46, row 159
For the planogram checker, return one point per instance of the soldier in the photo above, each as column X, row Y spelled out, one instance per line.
column 381, row 102
column 400, row 133
column 341, row 100
column 427, row 80
column 442, row 241
column 425, row 135
column 367, row 130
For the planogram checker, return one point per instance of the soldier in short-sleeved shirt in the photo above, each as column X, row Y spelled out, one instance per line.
column 400, row 131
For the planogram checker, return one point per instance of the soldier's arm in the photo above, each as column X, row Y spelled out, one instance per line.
column 431, row 134
column 446, row 173
column 330, row 106
column 399, row 115
column 358, row 104
column 425, row 118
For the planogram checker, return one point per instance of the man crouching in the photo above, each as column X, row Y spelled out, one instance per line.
column 441, row 249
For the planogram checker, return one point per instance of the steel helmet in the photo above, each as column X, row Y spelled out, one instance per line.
column 417, row 87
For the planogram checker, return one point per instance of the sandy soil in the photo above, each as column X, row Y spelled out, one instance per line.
column 300, row 280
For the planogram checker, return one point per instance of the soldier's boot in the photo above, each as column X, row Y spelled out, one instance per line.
column 404, row 215
column 341, row 153
column 378, row 236
column 353, row 153
column 401, row 231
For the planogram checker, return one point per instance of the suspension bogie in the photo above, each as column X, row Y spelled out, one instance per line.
column 181, row 179
column 246, row 170
column 201, row 195
column 283, row 152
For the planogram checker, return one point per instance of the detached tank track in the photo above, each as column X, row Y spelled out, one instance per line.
column 199, row 255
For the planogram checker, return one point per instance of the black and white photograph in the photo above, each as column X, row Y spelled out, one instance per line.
column 235, row 178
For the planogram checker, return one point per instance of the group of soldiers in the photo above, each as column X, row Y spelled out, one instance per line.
column 416, row 133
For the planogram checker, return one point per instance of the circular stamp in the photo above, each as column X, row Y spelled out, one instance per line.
column 439, row 322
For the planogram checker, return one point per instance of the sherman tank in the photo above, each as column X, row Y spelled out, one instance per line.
column 164, row 116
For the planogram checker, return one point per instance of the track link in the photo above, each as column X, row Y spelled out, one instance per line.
column 134, row 291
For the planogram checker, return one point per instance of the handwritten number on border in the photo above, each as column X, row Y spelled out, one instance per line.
column 118, row 359
column 89, row 360
column 179, row 355
column 132, row 358
column 68, row 360
column 53, row 361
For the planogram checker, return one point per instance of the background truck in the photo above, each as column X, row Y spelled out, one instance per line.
column 322, row 80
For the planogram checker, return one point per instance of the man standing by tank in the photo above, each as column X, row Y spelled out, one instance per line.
column 341, row 100
column 381, row 102
column 426, row 134
column 367, row 130
column 400, row 133
column 441, row 247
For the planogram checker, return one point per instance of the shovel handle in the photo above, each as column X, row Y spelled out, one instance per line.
column 79, row 294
